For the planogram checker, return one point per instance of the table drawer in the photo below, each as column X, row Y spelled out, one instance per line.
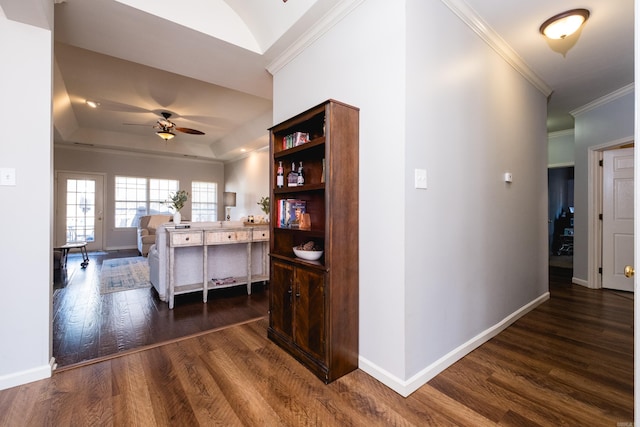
column 192, row 238
column 217, row 237
column 262, row 234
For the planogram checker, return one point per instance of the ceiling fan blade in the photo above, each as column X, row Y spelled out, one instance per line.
column 190, row 131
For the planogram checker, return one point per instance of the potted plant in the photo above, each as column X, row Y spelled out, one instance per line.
column 264, row 206
column 176, row 202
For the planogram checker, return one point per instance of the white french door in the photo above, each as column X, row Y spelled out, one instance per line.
column 79, row 209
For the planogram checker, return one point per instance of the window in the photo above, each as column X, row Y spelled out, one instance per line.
column 204, row 201
column 136, row 197
column 159, row 191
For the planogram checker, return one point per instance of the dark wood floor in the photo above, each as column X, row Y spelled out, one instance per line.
column 88, row 326
column 568, row 362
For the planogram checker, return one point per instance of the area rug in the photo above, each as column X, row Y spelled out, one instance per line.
column 123, row 274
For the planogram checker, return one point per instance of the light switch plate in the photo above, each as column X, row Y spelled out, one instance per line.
column 421, row 178
column 7, row 176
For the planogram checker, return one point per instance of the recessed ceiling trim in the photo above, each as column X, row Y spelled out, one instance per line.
column 324, row 24
column 497, row 43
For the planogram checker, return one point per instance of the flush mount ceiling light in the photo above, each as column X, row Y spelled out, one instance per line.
column 564, row 24
column 92, row 104
column 165, row 134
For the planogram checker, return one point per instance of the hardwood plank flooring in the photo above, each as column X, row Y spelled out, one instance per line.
column 89, row 326
column 568, row 362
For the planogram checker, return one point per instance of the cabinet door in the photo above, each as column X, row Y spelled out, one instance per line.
column 281, row 289
column 309, row 322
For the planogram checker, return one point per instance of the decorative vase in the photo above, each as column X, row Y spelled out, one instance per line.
column 176, row 218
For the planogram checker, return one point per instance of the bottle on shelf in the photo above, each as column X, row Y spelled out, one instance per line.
column 280, row 177
column 300, row 175
column 292, row 176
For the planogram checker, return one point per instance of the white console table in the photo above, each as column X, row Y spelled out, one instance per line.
column 213, row 242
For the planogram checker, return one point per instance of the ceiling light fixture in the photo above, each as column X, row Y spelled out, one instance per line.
column 564, row 24
column 165, row 134
column 92, row 104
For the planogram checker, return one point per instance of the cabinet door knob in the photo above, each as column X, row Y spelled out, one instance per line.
column 187, row 239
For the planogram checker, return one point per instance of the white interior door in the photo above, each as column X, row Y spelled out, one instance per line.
column 79, row 209
column 618, row 217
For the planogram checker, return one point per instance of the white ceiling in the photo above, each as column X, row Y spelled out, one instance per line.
column 206, row 62
column 592, row 63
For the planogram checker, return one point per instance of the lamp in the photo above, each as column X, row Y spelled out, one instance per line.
column 165, row 134
column 564, row 24
column 229, row 200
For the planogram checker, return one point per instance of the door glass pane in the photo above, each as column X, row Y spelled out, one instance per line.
column 81, row 210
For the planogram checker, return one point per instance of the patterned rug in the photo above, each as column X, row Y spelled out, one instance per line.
column 123, row 274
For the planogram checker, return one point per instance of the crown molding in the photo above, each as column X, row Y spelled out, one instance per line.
column 560, row 133
column 626, row 90
column 331, row 18
column 459, row 7
column 80, row 146
column 497, row 43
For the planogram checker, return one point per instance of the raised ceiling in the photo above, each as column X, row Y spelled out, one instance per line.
column 206, row 62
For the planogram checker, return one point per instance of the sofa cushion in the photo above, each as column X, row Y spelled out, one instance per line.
column 155, row 221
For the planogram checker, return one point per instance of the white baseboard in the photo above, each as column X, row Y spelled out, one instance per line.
column 35, row 374
column 580, row 282
column 406, row 387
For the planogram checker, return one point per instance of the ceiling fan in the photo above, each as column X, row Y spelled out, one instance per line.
column 167, row 127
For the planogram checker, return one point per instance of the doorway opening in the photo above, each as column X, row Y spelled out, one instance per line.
column 595, row 207
column 561, row 210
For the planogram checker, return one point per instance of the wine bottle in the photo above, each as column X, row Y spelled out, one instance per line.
column 292, row 176
column 300, row 175
column 280, row 177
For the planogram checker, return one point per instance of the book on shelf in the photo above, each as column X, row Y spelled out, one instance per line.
column 290, row 212
column 294, row 139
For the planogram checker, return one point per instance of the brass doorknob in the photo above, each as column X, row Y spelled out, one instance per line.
column 629, row 271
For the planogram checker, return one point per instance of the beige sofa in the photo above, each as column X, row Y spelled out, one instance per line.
column 147, row 231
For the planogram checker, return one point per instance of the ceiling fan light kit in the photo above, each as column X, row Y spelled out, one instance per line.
column 564, row 24
column 165, row 134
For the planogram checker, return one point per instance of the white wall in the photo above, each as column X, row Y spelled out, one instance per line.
column 112, row 163
column 437, row 266
column 476, row 246
column 561, row 149
column 604, row 123
column 25, row 255
column 366, row 68
column 249, row 178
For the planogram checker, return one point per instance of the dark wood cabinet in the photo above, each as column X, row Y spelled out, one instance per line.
column 313, row 312
column 298, row 307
